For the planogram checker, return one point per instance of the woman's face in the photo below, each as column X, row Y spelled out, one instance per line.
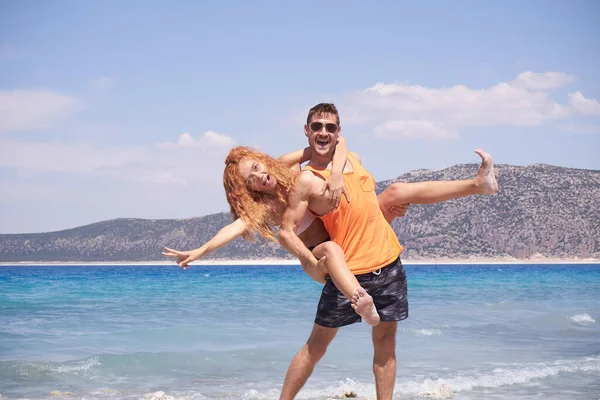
column 257, row 177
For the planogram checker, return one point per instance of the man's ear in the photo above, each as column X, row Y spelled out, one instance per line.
column 306, row 130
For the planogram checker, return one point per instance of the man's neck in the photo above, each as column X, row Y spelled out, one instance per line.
column 320, row 161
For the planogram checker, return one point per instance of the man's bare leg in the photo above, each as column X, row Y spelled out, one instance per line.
column 438, row 191
column 332, row 260
column 384, row 359
column 305, row 360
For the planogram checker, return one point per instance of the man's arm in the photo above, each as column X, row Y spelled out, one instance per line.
column 295, row 158
column 298, row 201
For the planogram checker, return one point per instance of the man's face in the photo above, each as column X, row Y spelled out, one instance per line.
column 322, row 133
column 256, row 175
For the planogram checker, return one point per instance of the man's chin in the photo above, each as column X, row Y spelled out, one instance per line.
column 322, row 152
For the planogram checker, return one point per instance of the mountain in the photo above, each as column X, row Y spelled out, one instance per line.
column 539, row 211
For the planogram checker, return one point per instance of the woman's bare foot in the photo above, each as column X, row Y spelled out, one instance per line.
column 485, row 179
column 362, row 303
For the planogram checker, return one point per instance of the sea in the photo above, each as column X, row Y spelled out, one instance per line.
column 230, row 331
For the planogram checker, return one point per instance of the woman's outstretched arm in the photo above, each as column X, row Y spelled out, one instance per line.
column 225, row 236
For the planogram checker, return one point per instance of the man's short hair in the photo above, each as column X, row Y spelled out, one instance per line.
column 323, row 108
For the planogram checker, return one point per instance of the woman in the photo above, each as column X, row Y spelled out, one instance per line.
column 257, row 187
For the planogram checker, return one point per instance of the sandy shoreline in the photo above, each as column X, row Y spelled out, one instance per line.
column 271, row 262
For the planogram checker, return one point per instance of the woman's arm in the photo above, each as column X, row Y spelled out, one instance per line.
column 335, row 182
column 339, row 157
column 225, row 236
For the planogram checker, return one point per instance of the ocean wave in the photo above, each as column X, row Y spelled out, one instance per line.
column 337, row 391
column 253, row 394
column 160, row 395
column 500, row 376
column 582, row 319
column 427, row 332
column 442, row 388
column 37, row 368
column 77, row 366
column 496, row 304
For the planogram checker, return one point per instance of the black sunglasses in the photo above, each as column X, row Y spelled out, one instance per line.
column 329, row 127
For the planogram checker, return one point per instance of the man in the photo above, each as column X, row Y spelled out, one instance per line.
column 369, row 245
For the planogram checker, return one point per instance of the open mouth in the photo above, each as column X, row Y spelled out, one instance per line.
column 267, row 180
column 322, row 142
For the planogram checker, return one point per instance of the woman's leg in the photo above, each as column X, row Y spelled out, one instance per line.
column 313, row 236
column 317, row 238
column 437, row 191
column 335, row 266
column 331, row 256
column 333, row 263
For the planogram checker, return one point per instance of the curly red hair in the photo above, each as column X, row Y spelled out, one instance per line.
column 254, row 208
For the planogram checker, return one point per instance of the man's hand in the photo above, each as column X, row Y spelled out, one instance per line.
column 334, row 184
column 316, row 272
column 400, row 210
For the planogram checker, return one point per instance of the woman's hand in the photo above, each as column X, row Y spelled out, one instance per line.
column 184, row 258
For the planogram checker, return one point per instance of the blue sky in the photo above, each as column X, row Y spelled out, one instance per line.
column 115, row 109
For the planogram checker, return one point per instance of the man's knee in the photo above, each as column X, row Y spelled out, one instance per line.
column 319, row 341
column 384, row 335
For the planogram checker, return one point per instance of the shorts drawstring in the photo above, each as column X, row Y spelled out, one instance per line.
column 378, row 272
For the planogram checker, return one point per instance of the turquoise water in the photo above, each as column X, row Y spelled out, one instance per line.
column 229, row 332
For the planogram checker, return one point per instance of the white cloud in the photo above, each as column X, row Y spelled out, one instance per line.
column 413, row 129
column 584, row 106
column 542, row 81
column 79, row 159
column 98, row 183
column 104, row 82
column 209, row 139
column 400, row 110
column 187, row 160
column 34, row 109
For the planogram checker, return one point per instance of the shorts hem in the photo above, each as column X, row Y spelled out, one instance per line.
column 394, row 319
column 329, row 325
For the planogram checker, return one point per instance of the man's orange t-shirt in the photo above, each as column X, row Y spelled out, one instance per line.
column 359, row 227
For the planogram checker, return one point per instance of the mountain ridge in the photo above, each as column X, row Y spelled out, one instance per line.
column 540, row 210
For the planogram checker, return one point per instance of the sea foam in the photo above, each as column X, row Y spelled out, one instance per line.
column 445, row 388
column 427, row 332
column 582, row 319
column 500, row 376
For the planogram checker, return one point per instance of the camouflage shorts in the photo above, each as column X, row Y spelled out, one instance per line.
column 387, row 286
